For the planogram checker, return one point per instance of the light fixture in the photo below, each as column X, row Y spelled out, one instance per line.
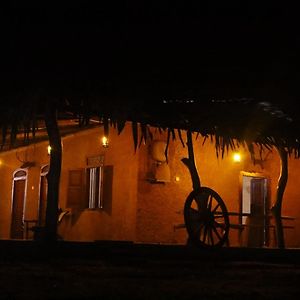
column 49, row 149
column 104, row 141
column 237, row 157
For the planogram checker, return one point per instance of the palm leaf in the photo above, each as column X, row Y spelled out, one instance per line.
column 134, row 127
column 180, row 137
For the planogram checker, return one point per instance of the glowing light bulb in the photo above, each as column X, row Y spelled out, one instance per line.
column 104, row 141
column 49, row 149
column 237, row 157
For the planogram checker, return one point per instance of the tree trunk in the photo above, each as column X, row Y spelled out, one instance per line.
column 190, row 162
column 53, row 175
column 276, row 209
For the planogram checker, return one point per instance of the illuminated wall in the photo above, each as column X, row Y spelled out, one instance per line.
column 142, row 210
column 160, row 205
column 10, row 162
column 100, row 224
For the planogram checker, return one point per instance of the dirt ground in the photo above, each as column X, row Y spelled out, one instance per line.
column 130, row 278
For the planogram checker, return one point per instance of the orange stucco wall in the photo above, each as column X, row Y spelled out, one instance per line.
column 89, row 224
column 10, row 162
column 159, row 205
column 164, row 202
column 143, row 211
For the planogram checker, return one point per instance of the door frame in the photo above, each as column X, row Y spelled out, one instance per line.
column 266, row 200
column 14, row 179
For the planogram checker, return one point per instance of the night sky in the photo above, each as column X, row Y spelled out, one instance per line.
column 158, row 49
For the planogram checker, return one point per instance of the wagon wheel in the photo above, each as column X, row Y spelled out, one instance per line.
column 206, row 218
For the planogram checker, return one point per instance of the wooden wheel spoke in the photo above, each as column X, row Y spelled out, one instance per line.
column 205, row 234
column 197, row 230
column 209, row 205
column 216, row 207
column 217, row 233
column 211, row 236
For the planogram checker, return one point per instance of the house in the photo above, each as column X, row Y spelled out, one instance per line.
column 112, row 191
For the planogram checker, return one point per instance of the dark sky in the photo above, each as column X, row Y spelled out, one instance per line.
column 160, row 48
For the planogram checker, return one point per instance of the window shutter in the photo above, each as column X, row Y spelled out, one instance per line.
column 76, row 189
column 107, row 188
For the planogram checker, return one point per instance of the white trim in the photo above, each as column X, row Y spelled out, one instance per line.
column 100, row 188
column 12, row 195
column 45, row 172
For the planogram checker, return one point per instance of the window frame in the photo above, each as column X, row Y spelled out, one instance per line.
column 94, row 187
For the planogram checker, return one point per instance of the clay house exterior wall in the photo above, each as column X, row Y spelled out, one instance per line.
column 163, row 203
column 115, row 221
column 134, row 206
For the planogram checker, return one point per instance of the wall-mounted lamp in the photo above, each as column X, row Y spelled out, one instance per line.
column 236, row 157
column 104, row 141
column 49, row 149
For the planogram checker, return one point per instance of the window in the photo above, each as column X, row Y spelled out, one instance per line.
column 94, row 185
column 90, row 188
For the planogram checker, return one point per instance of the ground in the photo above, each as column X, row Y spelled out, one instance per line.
column 121, row 275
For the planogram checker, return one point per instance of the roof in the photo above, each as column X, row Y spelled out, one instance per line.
column 230, row 121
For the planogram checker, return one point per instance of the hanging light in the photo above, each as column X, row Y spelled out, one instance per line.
column 237, row 157
column 49, row 149
column 104, row 141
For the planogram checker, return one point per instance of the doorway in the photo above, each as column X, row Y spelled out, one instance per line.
column 254, row 207
column 18, row 204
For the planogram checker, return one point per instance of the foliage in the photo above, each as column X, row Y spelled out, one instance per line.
column 229, row 122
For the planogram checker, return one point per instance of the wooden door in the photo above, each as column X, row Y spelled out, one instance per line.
column 43, row 200
column 256, row 223
column 17, row 224
column 257, row 218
